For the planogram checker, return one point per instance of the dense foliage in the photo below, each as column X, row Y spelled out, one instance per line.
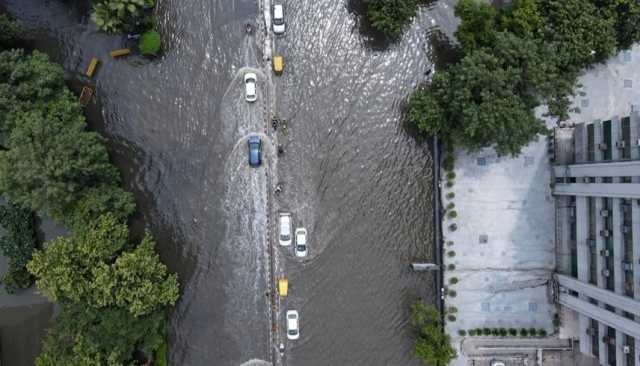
column 99, row 268
column 52, row 164
column 17, row 244
column 119, row 15
column 9, row 30
column 432, row 345
column 113, row 293
column 390, row 17
column 150, row 43
column 86, row 336
column 515, row 59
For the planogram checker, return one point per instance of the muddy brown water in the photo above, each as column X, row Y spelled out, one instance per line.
column 352, row 173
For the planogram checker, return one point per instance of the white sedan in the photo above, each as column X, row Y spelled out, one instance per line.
column 293, row 325
column 278, row 19
column 250, row 87
column 285, row 229
column 301, row 242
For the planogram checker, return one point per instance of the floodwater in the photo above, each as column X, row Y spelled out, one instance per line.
column 352, row 173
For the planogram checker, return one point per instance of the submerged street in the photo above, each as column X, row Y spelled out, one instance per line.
column 352, row 173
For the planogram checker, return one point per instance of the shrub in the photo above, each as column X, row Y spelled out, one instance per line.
column 449, row 184
column 452, row 214
column 452, row 293
column 462, row 332
column 513, row 332
column 486, row 331
column 503, row 332
column 453, row 227
column 472, row 332
column 532, row 332
column 451, row 267
column 448, row 162
column 495, row 332
column 150, row 43
column 451, row 205
column 451, row 195
column 453, row 280
column 451, row 253
column 451, row 175
column 523, row 332
column 542, row 333
column 452, row 310
column 449, row 243
column 451, row 318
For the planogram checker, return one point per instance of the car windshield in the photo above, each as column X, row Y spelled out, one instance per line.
column 285, row 237
column 292, row 332
column 278, row 21
column 302, row 248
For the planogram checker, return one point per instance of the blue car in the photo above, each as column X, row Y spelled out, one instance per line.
column 255, row 151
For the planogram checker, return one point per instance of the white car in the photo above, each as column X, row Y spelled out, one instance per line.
column 301, row 242
column 278, row 19
column 250, row 87
column 285, row 229
column 293, row 325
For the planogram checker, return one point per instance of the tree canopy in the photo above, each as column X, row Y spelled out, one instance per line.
column 85, row 336
column 432, row 345
column 391, row 17
column 516, row 58
column 17, row 244
column 98, row 267
column 52, row 164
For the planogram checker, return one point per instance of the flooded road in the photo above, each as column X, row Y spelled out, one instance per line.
column 352, row 173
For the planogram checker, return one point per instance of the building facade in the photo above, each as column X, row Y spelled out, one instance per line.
column 597, row 196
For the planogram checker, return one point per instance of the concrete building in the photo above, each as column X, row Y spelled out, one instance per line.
column 597, row 189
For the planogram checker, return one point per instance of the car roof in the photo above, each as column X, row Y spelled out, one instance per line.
column 278, row 11
column 251, row 89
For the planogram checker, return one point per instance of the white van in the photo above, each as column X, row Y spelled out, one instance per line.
column 285, row 228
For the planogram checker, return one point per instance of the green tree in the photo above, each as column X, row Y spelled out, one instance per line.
column 52, row 160
column 10, row 30
column 99, row 268
column 26, row 82
column 478, row 106
column 113, row 16
column 431, row 345
column 390, row 17
column 626, row 16
column 17, row 244
column 478, row 24
column 88, row 336
column 580, row 35
column 522, row 18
